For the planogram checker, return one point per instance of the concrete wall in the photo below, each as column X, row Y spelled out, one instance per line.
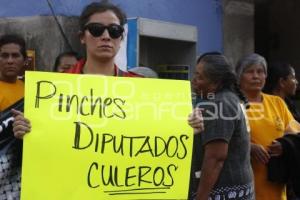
column 43, row 35
column 238, row 28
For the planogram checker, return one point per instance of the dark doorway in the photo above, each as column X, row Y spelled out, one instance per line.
column 277, row 31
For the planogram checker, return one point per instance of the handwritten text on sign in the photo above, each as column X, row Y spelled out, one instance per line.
column 98, row 137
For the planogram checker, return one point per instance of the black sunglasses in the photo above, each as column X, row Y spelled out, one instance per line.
column 97, row 29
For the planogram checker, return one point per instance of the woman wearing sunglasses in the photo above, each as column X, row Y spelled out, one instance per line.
column 101, row 31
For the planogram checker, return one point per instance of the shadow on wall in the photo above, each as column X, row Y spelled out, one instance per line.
column 238, row 29
column 42, row 35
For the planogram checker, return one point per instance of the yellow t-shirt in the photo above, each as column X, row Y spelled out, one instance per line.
column 268, row 120
column 10, row 93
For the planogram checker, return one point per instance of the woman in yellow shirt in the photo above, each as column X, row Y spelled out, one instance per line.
column 269, row 119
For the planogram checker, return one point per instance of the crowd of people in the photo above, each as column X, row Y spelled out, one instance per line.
column 232, row 149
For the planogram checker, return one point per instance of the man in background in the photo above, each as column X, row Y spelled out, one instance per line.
column 12, row 60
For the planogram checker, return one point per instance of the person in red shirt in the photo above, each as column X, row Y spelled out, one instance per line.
column 65, row 61
column 101, row 32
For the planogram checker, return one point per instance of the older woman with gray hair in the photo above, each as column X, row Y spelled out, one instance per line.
column 269, row 119
column 222, row 150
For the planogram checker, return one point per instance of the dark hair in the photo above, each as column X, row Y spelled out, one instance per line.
column 60, row 56
column 99, row 7
column 218, row 70
column 14, row 39
column 206, row 54
column 276, row 71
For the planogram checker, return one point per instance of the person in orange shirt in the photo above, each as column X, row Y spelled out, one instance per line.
column 269, row 119
column 12, row 60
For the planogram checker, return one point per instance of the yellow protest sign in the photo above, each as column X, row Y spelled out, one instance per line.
column 108, row 138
